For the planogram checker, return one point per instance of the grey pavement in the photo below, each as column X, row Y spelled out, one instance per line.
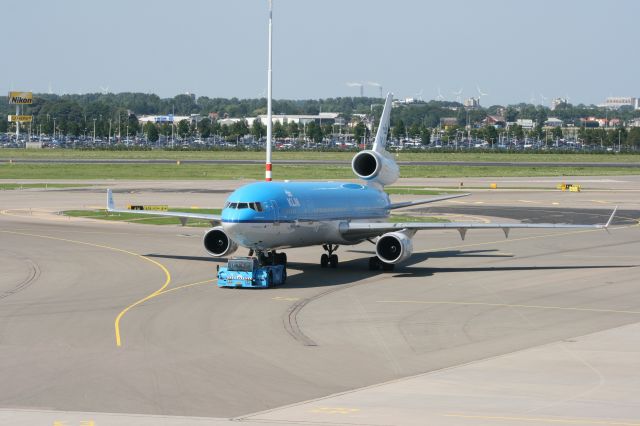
column 540, row 328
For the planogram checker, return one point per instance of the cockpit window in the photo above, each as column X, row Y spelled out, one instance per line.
column 257, row 206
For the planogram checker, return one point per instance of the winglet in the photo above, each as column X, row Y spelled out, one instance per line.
column 110, row 204
column 383, row 128
column 613, row 213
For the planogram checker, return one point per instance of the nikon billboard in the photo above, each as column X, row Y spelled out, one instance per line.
column 20, row 98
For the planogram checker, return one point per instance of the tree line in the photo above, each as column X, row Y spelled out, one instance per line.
column 116, row 114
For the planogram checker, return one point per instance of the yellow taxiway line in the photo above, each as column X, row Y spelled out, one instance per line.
column 102, row 246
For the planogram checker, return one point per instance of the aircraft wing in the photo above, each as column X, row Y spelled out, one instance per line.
column 183, row 216
column 375, row 229
column 424, row 201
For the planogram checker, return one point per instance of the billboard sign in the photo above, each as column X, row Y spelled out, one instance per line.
column 21, row 118
column 20, row 98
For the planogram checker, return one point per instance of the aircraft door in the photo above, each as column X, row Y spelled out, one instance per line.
column 274, row 212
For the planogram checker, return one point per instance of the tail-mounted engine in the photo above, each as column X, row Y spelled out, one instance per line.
column 375, row 167
column 217, row 242
column 394, row 247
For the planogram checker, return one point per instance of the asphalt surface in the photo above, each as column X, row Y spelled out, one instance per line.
column 323, row 162
column 482, row 327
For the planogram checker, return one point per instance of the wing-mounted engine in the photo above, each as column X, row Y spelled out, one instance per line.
column 217, row 242
column 394, row 247
column 376, row 167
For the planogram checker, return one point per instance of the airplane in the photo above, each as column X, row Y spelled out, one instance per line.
column 265, row 217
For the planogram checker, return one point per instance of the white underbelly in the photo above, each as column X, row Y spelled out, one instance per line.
column 266, row 236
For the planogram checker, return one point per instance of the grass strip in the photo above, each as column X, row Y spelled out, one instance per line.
column 14, row 186
column 282, row 172
column 148, row 220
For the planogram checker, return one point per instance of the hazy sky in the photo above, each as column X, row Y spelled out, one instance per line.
column 513, row 50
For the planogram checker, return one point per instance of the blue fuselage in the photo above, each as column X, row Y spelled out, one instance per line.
column 270, row 215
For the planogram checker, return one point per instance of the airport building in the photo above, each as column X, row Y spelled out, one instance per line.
column 556, row 102
column 322, row 118
column 160, row 119
column 617, row 102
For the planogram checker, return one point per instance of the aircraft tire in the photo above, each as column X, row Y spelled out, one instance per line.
column 388, row 267
column 324, row 260
column 374, row 263
column 333, row 260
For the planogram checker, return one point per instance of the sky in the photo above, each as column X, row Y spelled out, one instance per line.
column 512, row 50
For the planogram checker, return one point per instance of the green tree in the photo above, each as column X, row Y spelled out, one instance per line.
column 425, row 135
column 258, row 129
column 134, row 126
column 399, row 130
column 152, row 132
column 294, row 129
column 556, row 133
column 633, row 138
column 414, row 130
column 359, row 132
column 240, row 128
column 314, row 132
column 516, row 131
column 490, row 134
column 204, row 127
column 183, row 128
column 279, row 131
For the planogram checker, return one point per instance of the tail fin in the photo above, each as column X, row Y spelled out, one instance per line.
column 383, row 129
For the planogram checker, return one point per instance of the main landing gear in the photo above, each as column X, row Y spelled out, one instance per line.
column 375, row 263
column 271, row 258
column 329, row 259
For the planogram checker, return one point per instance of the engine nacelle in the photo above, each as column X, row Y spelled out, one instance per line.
column 217, row 242
column 394, row 247
column 375, row 167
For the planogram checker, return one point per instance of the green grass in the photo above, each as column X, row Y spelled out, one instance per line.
column 149, row 220
column 6, row 154
column 415, row 190
column 400, row 218
column 281, row 172
column 12, row 186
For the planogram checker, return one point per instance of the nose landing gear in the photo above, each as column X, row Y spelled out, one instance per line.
column 329, row 259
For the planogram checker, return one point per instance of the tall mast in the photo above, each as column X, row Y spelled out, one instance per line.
column 269, row 111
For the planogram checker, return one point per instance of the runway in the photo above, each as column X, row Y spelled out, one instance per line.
column 453, row 334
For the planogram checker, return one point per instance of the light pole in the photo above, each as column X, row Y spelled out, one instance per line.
column 94, row 131
column 619, row 147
